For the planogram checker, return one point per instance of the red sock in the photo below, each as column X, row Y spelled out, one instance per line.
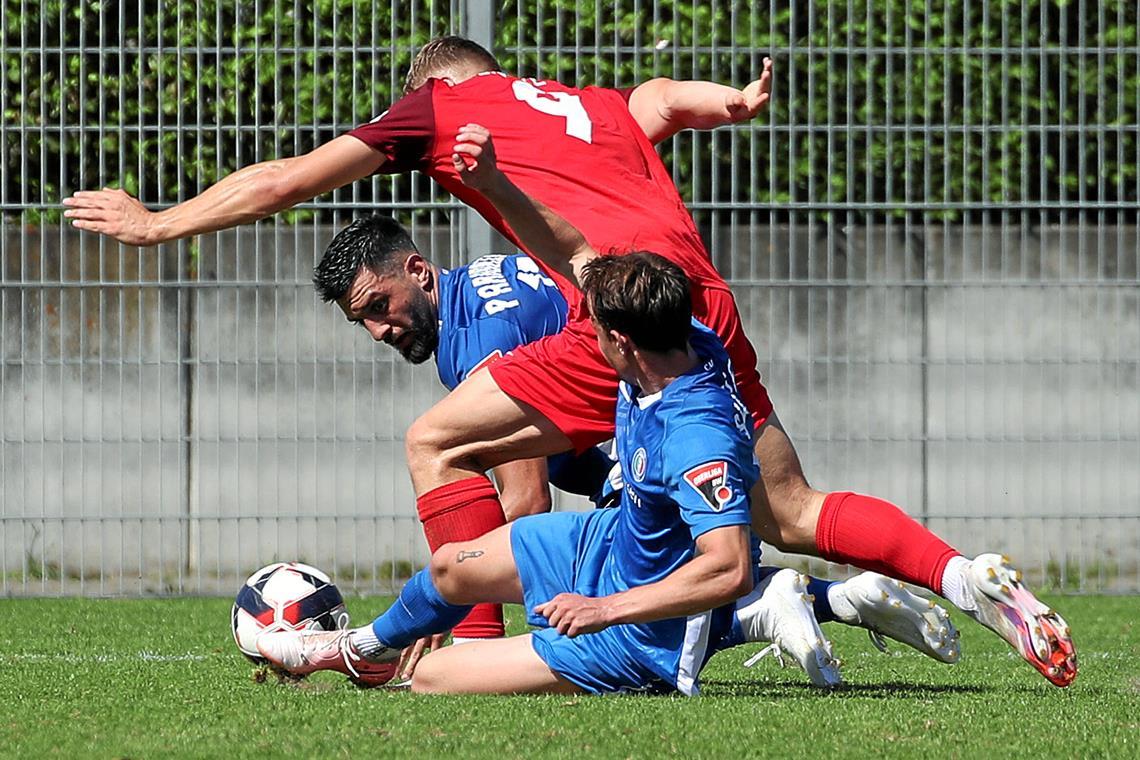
column 876, row 535
column 461, row 511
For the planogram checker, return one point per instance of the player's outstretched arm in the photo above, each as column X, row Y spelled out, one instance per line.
column 544, row 234
column 663, row 107
column 247, row 195
column 719, row 574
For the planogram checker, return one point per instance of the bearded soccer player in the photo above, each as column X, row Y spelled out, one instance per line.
column 629, row 599
column 588, row 154
column 471, row 316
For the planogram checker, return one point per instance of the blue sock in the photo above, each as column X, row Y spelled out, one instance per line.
column 420, row 611
column 818, row 587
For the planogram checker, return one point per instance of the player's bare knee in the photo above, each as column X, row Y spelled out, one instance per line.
column 422, row 443
column 441, row 568
column 428, row 678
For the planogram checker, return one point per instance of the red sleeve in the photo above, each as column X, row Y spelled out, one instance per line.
column 625, row 92
column 404, row 133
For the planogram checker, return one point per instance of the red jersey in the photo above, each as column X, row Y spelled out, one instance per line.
column 579, row 151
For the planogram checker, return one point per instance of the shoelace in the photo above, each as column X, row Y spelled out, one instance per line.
column 347, row 652
column 772, row 649
column 877, row 640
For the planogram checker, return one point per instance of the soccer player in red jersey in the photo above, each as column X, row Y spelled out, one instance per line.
column 587, row 154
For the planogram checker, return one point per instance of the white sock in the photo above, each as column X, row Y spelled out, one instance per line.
column 841, row 605
column 456, row 640
column 955, row 588
column 365, row 641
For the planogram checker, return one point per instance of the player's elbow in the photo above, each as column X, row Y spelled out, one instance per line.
column 733, row 579
column 666, row 92
column 280, row 185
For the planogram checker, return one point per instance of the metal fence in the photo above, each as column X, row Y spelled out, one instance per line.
column 943, row 291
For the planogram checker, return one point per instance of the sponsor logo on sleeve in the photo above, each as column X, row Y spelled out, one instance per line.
column 710, row 480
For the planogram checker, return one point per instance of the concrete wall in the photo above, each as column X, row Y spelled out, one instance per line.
column 178, row 421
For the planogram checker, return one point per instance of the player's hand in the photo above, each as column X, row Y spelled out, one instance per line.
column 751, row 100
column 573, row 614
column 111, row 212
column 413, row 653
column 474, row 157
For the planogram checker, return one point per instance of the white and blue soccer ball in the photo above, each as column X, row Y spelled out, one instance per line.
column 285, row 596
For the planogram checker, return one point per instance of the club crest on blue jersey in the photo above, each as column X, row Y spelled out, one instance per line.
column 639, row 464
column 710, row 481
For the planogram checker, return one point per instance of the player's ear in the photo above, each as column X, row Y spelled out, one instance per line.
column 622, row 341
column 417, row 267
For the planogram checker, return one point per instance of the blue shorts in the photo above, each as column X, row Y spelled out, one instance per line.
column 564, row 552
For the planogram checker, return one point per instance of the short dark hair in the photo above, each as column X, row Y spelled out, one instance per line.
column 379, row 243
column 642, row 295
column 444, row 52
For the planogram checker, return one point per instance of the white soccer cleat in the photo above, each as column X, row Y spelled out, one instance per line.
column 302, row 652
column 1011, row 611
column 779, row 610
column 885, row 607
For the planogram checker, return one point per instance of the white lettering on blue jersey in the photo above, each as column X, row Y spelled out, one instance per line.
column 495, row 304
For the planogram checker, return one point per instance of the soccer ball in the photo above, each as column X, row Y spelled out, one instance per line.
column 285, row 596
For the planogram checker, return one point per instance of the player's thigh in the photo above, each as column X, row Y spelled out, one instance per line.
column 785, row 509
column 480, row 570
column 479, row 422
column 493, row 666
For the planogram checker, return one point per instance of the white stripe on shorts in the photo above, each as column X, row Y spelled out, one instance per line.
column 693, row 653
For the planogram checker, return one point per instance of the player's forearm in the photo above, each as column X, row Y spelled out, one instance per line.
column 663, row 107
column 706, row 582
column 247, row 195
column 698, row 105
column 544, row 234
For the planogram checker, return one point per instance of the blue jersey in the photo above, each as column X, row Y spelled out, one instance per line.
column 491, row 307
column 688, row 464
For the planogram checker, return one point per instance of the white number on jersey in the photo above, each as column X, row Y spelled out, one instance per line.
column 530, row 274
column 561, row 104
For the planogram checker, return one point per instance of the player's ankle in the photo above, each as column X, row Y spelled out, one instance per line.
column 367, row 643
column 841, row 606
column 955, row 586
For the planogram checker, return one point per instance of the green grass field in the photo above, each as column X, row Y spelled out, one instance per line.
column 150, row 678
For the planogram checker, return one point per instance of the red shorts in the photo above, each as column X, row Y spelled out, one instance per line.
column 566, row 378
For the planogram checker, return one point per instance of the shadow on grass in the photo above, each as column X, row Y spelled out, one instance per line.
column 889, row 690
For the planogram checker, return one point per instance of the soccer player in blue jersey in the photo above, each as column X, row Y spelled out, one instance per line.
column 625, row 595
column 474, row 314
column 467, row 318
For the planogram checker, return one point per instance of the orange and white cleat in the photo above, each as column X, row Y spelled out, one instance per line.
column 1010, row 610
column 302, row 652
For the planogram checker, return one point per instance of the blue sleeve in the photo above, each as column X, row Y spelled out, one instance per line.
column 706, row 478
column 482, row 341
